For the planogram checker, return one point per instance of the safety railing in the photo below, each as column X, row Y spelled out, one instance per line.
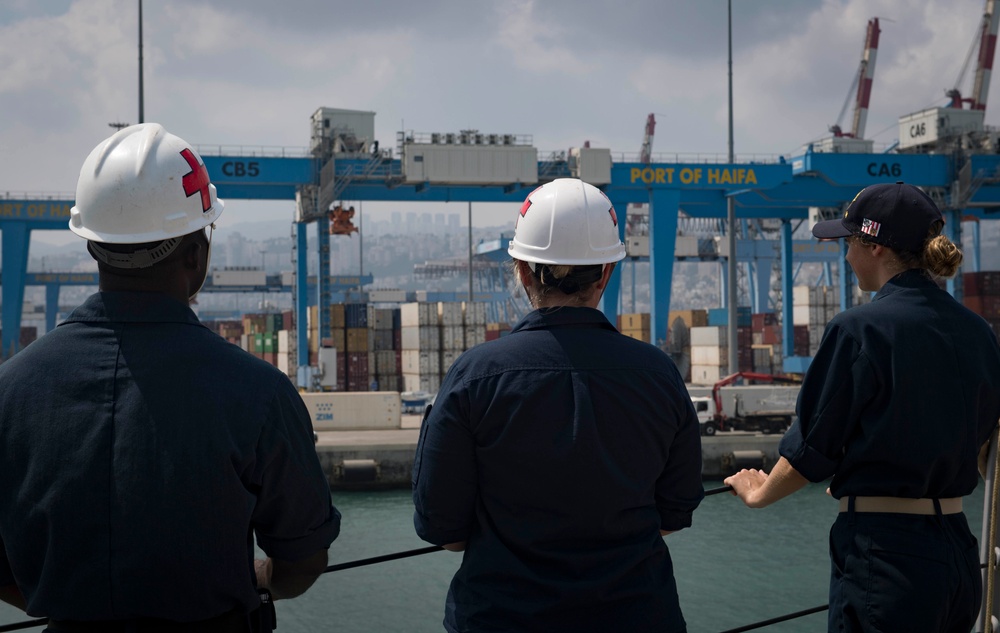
column 435, row 548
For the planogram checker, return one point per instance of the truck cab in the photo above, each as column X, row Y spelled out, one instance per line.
column 705, row 408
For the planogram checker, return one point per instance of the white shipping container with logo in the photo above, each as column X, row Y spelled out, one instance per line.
column 353, row 410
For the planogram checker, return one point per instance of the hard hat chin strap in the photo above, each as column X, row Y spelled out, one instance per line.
column 143, row 258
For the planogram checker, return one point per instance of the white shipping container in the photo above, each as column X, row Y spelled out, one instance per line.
column 475, row 313
column 418, row 362
column 353, row 410
column 429, row 383
column 419, row 313
column 449, row 313
column 286, row 364
column 709, row 355
column 802, row 295
column 706, row 374
column 426, row 338
column 709, row 335
column 287, row 278
column 801, row 314
column 452, row 337
column 448, row 358
column 474, row 335
column 286, row 341
column 327, row 357
column 385, row 363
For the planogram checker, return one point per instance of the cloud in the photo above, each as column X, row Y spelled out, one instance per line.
column 536, row 45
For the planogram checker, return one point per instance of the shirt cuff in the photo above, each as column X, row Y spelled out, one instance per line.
column 299, row 548
column 806, row 460
column 435, row 535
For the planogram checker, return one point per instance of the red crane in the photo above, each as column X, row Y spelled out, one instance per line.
column 646, row 152
column 863, row 81
column 985, row 43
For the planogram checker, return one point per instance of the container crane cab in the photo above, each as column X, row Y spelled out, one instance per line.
column 955, row 126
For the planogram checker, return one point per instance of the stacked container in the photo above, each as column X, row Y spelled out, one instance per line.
column 635, row 326
column 496, row 330
column 813, row 307
column 679, row 321
column 710, row 346
column 356, row 346
column 766, row 346
column 982, row 296
column 384, row 370
column 420, row 347
column 474, row 320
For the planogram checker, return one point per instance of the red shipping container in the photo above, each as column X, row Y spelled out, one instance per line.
column 760, row 320
column 973, row 302
column 991, row 307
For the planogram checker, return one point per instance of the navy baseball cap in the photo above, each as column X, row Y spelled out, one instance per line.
column 896, row 215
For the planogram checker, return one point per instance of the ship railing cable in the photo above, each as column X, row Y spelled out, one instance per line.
column 437, row 548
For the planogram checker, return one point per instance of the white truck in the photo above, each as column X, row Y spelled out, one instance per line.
column 768, row 408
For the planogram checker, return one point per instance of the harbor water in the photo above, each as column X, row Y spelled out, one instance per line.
column 734, row 566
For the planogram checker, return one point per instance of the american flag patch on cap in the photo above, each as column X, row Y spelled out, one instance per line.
column 869, row 227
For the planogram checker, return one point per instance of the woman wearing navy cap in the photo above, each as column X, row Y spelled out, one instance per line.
column 902, row 395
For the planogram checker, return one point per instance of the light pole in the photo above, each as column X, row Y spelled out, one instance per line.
column 731, row 224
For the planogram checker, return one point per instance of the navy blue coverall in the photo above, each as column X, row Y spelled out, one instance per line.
column 558, row 453
column 897, row 402
column 140, row 453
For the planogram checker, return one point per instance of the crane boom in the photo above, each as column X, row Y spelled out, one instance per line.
column 987, row 48
column 865, row 76
column 646, row 151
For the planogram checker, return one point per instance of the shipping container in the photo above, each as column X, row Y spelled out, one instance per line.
column 449, row 313
column 452, row 337
column 418, row 314
column 353, row 411
column 421, row 338
column 429, row 383
column 420, row 362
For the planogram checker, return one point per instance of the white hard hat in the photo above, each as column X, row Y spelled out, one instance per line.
column 567, row 222
column 143, row 184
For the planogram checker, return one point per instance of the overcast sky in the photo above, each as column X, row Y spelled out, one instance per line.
column 251, row 72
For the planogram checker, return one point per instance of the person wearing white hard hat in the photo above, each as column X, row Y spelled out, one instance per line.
column 558, row 456
column 141, row 452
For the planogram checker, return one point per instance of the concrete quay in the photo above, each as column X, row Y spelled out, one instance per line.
column 383, row 459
